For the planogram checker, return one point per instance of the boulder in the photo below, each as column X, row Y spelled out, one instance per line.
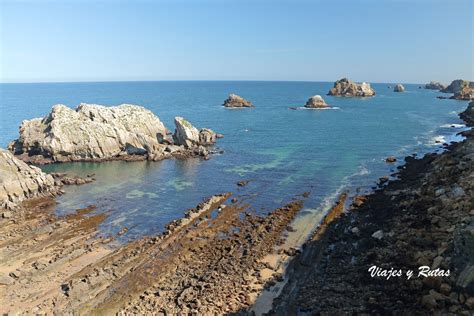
column 434, row 85
column 189, row 136
column 399, row 88
column 347, row 88
column 90, row 132
column 19, row 181
column 457, row 85
column 316, row 102
column 235, row 101
column 185, row 134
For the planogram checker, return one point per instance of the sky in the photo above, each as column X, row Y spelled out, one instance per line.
column 409, row 41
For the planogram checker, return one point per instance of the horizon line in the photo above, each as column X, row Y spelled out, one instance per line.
column 198, row 80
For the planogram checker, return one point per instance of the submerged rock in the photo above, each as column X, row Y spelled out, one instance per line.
column 316, row 101
column 19, row 181
column 399, row 88
column 347, row 88
column 434, row 85
column 235, row 101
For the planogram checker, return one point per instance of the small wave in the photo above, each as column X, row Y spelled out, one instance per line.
column 305, row 108
column 453, row 126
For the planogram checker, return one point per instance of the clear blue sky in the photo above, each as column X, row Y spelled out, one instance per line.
column 372, row 40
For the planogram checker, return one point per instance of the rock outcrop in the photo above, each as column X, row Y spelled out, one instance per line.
column 19, row 181
column 399, row 88
column 466, row 93
column 316, row 102
column 468, row 114
column 347, row 88
column 94, row 133
column 457, row 85
column 189, row 136
column 434, row 85
column 235, row 101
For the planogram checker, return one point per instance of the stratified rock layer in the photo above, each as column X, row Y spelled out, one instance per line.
column 19, row 181
column 347, row 88
column 235, row 101
column 316, row 102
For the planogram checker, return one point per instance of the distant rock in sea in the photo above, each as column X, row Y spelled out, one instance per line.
column 95, row 133
column 457, row 85
column 19, row 181
column 347, row 88
column 316, row 102
column 399, row 88
column 434, row 85
column 235, row 101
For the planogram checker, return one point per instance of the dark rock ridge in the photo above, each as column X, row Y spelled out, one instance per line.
column 424, row 218
column 235, row 101
column 434, row 85
column 316, row 102
column 97, row 133
column 347, row 88
column 457, row 85
column 399, row 88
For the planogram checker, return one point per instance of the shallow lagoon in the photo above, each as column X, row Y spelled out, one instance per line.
column 282, row 152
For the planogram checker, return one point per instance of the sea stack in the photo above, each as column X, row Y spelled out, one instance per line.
column 235, row 101
column 434, row 85
column 347, row 88
column 187, row 135
column 316, row 102
column 399, row 88
column 94, row 132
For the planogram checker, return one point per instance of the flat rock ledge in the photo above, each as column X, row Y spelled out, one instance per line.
column 316, row 102
column 235, row 101
column 347, row 88
column 95, row 133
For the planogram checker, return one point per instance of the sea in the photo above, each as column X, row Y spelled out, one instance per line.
column 282, row 152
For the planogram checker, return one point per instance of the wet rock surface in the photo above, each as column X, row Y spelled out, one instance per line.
column 424, row 218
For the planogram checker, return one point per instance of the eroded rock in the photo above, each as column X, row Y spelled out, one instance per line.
column 347, row 88
column 235, row 101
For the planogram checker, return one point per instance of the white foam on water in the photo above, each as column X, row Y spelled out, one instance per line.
column 453, row 126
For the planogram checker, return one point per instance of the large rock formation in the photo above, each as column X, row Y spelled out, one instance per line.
column 316, row 102
column 235, row 101
column 347, row 88
column 93, row 133
column 399, row 88
column 19, row 181
column 434, row 85
column 457, row 85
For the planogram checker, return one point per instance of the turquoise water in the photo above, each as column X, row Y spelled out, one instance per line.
column 282, row 152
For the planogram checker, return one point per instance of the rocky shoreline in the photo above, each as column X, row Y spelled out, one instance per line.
column 424, row 218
